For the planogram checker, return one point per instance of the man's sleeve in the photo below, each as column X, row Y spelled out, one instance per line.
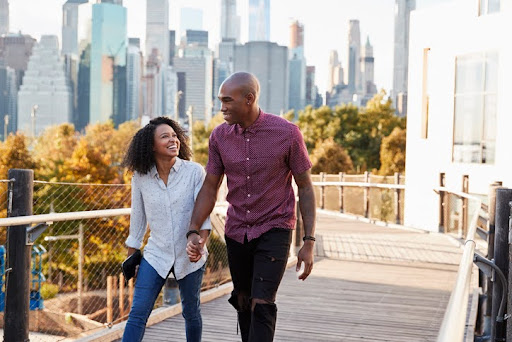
column 298, row 157
column 214, row 165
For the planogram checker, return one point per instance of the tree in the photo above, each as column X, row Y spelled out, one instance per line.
column 201, row 134
column 52, row 149
column 392, row 152
column 330, row 157
column 14, row 154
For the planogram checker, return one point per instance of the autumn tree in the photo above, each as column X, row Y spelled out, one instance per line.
column 14, row 154
column 392, row 152
column 330, row 157
column 201, row 134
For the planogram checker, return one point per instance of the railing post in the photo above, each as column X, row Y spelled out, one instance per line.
column 509, row 278
column 397, row 198
column 17, row 297
column 442, row 204
column 366, row 197
column 80, row 266
column 464, row 211
column 503, row 198
column 322, row 191
column 341, row 192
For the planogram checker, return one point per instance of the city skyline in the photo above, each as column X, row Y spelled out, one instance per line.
column 376, row 19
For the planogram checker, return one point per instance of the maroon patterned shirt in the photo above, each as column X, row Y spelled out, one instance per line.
column 258, row 162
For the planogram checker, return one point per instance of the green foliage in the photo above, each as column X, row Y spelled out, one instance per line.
column 201, row 134
column 392, row 152
column 49, row 291
column 330, row 157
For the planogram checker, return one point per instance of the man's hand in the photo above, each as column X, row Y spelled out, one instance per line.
column 195, row 247
column 305, row 255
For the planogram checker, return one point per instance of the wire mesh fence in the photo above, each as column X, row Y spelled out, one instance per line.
column 76, row 280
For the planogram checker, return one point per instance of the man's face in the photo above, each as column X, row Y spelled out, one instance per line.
column 233, row 104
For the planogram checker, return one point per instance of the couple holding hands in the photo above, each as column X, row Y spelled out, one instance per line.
column 259, row 153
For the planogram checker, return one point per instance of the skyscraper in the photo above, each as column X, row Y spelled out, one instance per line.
column 134, row 68
column 335, row 71
column 353, row 75
column 297, row 68
column 108, row 63
column 157, row 28
column 70, row 26
column 272, row 74
column 403, row 10
column 259, row 20
column 229, row 21
column 367, row 67
column 4, row 16
column 45, row 97
column 190, row 19
column 8, row 99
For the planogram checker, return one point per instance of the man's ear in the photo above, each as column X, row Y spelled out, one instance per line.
column 249, row 98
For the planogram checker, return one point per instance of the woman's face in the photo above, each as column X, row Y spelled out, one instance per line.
column 165, row 142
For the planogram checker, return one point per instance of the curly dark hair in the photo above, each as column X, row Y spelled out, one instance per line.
column 140, row 156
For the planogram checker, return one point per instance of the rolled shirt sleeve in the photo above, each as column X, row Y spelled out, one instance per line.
column 214, row 165
column 299, row 161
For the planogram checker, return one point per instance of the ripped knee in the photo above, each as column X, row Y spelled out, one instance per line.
column 255, row 301
column 240, row 301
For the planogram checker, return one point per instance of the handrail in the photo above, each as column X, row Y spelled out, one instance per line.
column 69, row 216
column 361, row 185
column 454, row 320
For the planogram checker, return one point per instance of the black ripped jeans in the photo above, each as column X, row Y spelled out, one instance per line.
column 257, row 267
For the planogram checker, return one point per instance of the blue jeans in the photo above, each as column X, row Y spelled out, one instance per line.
column 147, row 288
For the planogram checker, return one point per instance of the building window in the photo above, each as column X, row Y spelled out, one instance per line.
column 476, row 86
column 489, row 6
column 424, row 96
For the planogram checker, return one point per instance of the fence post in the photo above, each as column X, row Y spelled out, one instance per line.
column 366, row 197
column 17, row 296
column 503, row 198
column 341, row 192
column 80, row 266
column 464, row 211
column 490, row 255
column 322, row 191
column 442, row 204
column 397, row 198
column 110, row 305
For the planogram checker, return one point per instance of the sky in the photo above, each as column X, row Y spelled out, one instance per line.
column 325, row 26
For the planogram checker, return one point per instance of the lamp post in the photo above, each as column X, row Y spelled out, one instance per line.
column 190, row 112
column 177, row 105
column 6, row 123
column 33, row 117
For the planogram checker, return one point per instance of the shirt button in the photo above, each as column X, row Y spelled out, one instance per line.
column 247, row 139
column 248, row 177
column 246, row 158
column 248, row 211
column 248, row 195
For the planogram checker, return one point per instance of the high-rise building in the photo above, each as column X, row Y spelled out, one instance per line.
column 190, row 19
column 403, row 10
column 195, row 64
column 8, row 100
column 15, row 50
column 45, row 97
column 172, row 46
column 157, row 28
column 196, row 37
column 154, row 85
column 335, row 71
column 70, row 26
column 367, row 68
column 353, row 75
column 259, row 20
column 4, row 16
column 269, row 63
column 108, row 63
column 134, row 68
column 229, row 21
column 311, row 89
column 297, row 68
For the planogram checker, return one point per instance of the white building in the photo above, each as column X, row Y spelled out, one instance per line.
column 458, row 120
column 157, row 28
column 134, row 66
column 229, row 21
column 45, row 89
column 4, row 16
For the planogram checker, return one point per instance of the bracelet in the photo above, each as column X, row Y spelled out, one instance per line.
column 308, row 237
column 194, row 231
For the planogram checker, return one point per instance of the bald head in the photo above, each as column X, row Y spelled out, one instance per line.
column 245, row 82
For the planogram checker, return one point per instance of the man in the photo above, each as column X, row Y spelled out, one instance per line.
column 259, row 153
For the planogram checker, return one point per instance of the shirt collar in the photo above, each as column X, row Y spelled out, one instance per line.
column 176, row 167
column 252, row 128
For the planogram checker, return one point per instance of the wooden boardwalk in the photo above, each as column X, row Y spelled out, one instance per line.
column 369, row 283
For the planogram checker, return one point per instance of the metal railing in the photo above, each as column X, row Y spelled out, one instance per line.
column 454, row 321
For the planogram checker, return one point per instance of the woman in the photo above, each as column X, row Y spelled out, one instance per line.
column 164, row 187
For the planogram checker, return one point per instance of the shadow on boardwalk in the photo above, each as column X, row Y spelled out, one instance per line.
column 370, row 284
